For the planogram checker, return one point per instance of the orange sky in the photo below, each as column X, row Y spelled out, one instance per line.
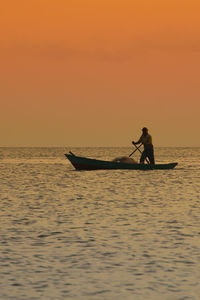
column 93, row 73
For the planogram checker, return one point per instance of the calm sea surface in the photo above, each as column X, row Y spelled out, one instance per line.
column 115, row 234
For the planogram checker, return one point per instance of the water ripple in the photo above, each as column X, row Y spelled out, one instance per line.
column 98, row 235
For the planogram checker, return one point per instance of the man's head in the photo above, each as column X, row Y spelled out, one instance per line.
column 144, row 130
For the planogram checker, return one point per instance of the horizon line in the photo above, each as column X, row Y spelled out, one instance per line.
column 158, row 146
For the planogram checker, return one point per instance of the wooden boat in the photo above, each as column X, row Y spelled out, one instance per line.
column 83, row 163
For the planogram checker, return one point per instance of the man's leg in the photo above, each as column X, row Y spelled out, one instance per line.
column 151, row 156
column 143, row 156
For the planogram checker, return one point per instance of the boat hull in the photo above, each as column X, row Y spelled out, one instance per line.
column 83, row 163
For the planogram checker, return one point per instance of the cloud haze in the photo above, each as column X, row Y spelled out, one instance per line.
column 100, row 69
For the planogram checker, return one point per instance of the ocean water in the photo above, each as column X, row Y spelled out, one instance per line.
column 115, row 234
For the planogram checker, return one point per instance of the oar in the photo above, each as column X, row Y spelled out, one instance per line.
column 137, row 148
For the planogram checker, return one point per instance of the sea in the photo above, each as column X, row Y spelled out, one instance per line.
column 105, row 234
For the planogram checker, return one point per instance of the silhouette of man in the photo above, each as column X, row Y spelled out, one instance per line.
column 146, row 140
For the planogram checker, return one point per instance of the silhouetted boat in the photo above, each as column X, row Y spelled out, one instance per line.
column 83, row 163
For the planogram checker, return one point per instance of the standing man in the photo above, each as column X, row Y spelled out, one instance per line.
column 146, row 140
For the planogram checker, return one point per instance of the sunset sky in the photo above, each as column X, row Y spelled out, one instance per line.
column 94, row 72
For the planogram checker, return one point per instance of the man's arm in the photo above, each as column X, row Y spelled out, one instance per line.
column 138, row 142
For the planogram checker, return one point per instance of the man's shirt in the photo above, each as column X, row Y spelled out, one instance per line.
column 146, row 141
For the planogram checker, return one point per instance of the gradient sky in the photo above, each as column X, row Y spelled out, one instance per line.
column 93, row 73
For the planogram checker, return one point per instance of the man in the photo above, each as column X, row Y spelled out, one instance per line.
column 146, row 140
